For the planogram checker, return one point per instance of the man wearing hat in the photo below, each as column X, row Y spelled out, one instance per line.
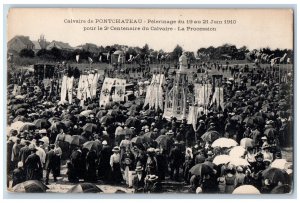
column 139, row 180
column 44, row 137
column 152, row 184
column 151, row 164
column 33, row 165
column 176, row 161
column 50, row 164
column 24, row 151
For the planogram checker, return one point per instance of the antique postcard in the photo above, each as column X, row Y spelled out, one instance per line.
column 111, row 100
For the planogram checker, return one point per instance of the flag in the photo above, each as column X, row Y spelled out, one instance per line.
column 119, row 58
column 130, row 58
column 77, row 58
column 136, row 57
column 90, row 59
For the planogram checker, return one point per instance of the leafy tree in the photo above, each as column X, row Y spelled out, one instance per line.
column 27, row 53
column 176, row 53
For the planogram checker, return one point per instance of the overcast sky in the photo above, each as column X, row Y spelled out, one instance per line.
column 253, row 28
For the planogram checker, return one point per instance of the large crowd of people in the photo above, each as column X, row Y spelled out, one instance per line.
column 126, row 144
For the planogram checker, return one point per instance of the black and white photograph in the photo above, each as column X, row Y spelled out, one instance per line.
column 150, row 101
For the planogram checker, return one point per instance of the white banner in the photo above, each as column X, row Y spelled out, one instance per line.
column 16, row 90
column 82, row 88
column 119, row 93
column 193, row 116
column 106, row 91
column 63, row 91
column 94, row 85
column 218, row 97
column 70, row 89
column 89, row 83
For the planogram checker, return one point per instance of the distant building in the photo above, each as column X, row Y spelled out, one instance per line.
column 60, row 45
column 92, row 48
column 37, row 46
column 16, row 44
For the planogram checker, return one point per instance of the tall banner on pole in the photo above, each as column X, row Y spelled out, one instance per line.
column 105, row 91
column 63, row 91
column 119, row 94
column 94, row 85
column 77, row 58
column 70, row 89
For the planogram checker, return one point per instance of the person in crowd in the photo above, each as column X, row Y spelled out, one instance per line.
column 115, row 164
column 33, row 165
column 139, row 180
column 18, row 175
column 104, row 171
column 50, row 165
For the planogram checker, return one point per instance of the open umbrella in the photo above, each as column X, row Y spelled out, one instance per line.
column 106, row 119
column 164, row 141
column 90, row 127
column 246, row 189
column 279, row 163
column 21, row 111
column 132, row 122
column 236, row 161
column 281, row 189
column 85, row 188
column 19, row 118
column 64, row 137
column 246, row 142
column 113, row 112
column 30, row 186
column 53, row 119
column 86, row 113
column 92, row 145
column 67, row 123
column 42, row 123
column 201, row 169
column 137, row 140
column 270, row 132
column 237, row 151
column 20, row 97
column 210, row 136
column 237, row 118
column 259, row 119
column 27, row 126
column 56, row 127
column 16, row 125
column 275, row 175
column 249, row 121
column 224, row 142
column 76, row 140
column 18, row 106
column 221, row 159
column 127, row 131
